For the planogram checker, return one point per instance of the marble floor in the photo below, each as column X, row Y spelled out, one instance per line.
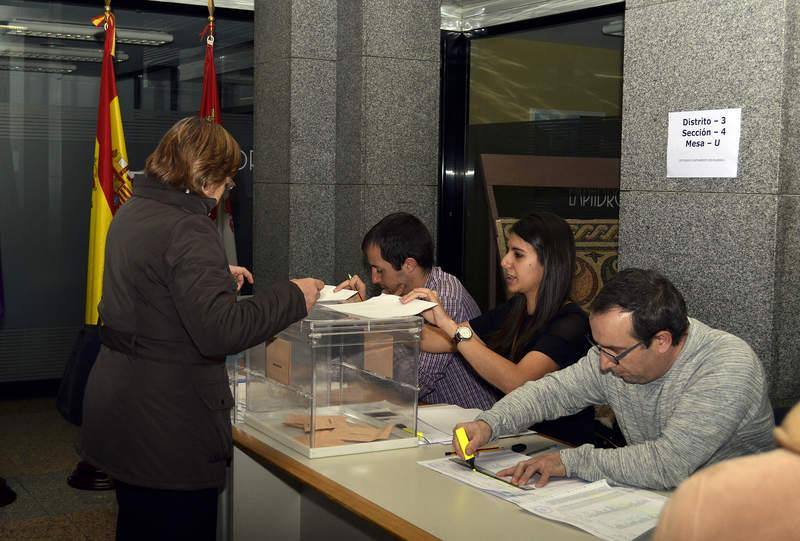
column 37, row 453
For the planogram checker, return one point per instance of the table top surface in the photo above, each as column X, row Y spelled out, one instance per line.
column 390, row 489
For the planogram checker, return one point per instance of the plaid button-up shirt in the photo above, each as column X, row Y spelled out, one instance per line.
column 446, row 378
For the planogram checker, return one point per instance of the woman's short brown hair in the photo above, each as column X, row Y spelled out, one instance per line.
column 194, row 153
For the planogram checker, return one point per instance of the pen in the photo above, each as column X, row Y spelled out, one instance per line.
column 447, row 453
column 350, row 277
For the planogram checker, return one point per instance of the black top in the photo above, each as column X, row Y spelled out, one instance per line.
column 563, row 339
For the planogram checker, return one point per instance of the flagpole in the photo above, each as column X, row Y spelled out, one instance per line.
column 222, row 214
column 209, row 102
column 111, row 187
column 211, row 20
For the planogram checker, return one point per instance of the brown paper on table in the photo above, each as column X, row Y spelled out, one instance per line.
column 364, row 433
column 323, row 438
column 346, row 433
column 324, row 422
column 279, row 361
column 379, row 354
column 295, row 419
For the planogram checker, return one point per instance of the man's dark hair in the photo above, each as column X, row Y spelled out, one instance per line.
column 655, row 304
column 399, row 236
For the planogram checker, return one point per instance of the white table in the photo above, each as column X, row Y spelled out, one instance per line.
column 280, row 494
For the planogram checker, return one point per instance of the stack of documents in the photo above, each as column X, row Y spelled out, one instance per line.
column 327, row 294
column 611, row 513
column 436, row 422
column 491, row 462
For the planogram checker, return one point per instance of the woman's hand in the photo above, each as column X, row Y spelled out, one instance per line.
column 436, row 315
column 240, row 274
column 310, row 288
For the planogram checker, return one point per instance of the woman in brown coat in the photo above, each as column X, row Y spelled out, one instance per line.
column 157, row 404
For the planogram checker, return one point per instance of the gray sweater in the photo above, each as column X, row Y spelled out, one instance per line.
column 710, row 406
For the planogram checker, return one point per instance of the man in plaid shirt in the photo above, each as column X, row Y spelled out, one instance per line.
column 399, row 249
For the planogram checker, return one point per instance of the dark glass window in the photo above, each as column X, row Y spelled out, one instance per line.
column 553, row 89
column 49, row 82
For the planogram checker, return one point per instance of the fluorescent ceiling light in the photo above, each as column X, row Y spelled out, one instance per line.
column 464, row 15
column 72, row 54
column 471, row 15
column 614, row 28
column 39, row 66
column 233, row 4
column 84, row 32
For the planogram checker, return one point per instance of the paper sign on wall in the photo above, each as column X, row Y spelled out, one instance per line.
column 704, row 143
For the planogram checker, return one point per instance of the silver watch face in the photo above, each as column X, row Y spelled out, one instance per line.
column 464, row 333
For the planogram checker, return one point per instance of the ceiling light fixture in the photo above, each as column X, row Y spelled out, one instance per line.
column 37, row 66
column 72, row 54
column 87, row 32
column 233, row 4
column 615, row 27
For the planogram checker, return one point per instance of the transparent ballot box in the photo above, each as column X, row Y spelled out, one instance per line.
column 334, row 384
column 237, row 369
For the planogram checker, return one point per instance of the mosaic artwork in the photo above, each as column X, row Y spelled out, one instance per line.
column 596, row 250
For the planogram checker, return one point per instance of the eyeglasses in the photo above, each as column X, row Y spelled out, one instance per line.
column 614, row 358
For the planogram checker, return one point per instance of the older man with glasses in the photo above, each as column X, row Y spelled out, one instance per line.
column 685, row 395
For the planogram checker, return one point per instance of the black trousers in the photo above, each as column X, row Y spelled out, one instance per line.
column 149, row 514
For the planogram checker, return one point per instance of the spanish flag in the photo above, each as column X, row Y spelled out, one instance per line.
column 111, row 185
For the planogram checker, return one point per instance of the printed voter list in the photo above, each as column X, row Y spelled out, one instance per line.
column 704, row 143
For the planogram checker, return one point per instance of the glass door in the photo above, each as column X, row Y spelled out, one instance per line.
column 542, row 123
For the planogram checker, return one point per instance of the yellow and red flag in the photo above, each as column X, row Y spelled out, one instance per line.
column 111, row 185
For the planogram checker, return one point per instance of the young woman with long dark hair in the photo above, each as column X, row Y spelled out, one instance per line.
column 537, row 331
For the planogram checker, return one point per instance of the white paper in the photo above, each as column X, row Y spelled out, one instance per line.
column 702, row 144
column 431, row 434
column 436, row 422
column 383, row 306
column 327, row 294
column 494, row 462
column 611, row 513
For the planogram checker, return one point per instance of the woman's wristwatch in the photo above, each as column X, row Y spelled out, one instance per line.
column 462, row 334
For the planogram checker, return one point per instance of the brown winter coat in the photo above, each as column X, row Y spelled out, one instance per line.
column 157, row 404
